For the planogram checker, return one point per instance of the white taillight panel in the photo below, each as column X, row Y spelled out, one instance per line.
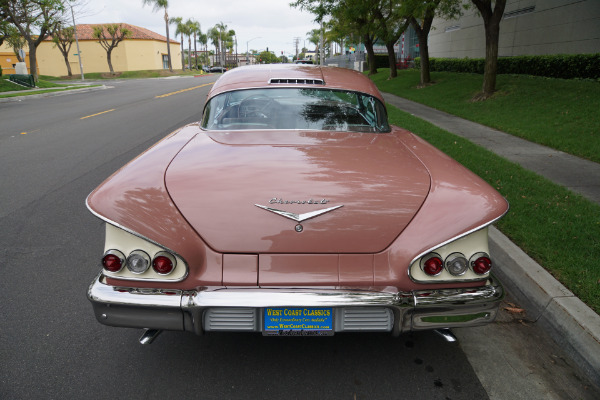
column 139, row 251
column 454, row 254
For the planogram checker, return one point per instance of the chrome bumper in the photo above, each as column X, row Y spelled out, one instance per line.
column 239, row 309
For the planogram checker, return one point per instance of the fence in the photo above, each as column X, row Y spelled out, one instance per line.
column 354, row 61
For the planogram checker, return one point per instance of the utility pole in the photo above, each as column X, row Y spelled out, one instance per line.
column 77, row 42
column 296, row 43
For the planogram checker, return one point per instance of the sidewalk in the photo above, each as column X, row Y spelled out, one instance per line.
column 571, row 323
column 58, row 91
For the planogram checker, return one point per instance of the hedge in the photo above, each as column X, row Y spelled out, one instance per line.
column 565, row 66
column 381, row 61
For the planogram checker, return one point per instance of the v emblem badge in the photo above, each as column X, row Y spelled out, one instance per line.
column 298, row 217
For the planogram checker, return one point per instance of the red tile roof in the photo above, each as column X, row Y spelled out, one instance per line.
column 85, row 32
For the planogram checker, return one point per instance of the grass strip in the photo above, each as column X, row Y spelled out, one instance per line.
column 558, row 113
column 557, row 228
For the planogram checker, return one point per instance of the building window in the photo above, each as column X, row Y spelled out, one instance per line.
column 519, row 12
column 165, row 58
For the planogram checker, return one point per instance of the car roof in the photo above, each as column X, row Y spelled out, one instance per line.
column 294, row 75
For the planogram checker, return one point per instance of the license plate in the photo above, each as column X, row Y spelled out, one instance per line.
column 298, row 321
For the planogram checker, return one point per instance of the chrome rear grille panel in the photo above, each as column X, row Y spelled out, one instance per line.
column 372, row 319
column 231, row 319
column 347, row 319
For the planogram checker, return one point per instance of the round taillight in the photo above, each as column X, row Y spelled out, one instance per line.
column 432, row 264
column 138, row 261
column 113, row 260
column 456, row 264
column 481, row 263
column 164, row 263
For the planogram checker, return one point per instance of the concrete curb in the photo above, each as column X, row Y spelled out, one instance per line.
column 51, row 94
column 569, row 321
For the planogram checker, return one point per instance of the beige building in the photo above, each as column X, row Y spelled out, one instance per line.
column 142, row 50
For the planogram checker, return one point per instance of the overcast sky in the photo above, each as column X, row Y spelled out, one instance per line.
column 274, row 22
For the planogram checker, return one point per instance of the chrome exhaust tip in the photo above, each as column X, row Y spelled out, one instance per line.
column 149, row 335
column 447, row 335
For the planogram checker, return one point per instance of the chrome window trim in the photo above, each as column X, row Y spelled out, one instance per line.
column 113, row 223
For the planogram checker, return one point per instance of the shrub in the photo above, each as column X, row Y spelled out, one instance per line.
column 565, row 66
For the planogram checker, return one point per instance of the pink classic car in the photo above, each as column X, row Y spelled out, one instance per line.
column 294, row 208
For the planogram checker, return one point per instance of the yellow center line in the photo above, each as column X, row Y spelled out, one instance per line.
column 93, row 115
column 181, row 91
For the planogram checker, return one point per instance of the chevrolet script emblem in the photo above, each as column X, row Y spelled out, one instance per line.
column 298, row 217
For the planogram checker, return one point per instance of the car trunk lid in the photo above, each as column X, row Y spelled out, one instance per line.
column 293, row 192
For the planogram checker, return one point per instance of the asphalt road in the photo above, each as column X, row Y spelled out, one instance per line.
column 53, row 152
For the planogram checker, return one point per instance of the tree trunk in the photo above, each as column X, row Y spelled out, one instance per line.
column 424, row 55
column 195, row 51
column 168, row 41
column 32, row 59
column 423, row 33
column 182, row 59
column 370, row 54
column 392, row 59
column 109, row 59
column 66, row 56
column 491, row 20
column 190, row 53
column 492, row 34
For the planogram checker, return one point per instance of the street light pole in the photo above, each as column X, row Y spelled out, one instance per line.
column 77, row 42
column 247, row 57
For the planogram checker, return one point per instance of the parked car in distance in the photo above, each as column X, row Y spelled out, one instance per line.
column 217, row 68
column 294, row 208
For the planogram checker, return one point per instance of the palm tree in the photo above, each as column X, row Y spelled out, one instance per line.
column 158, row 5
column 181, row 29
column 190, row 29
column 214, row 34
column 195, row 26
column 203, row 39
column 221, row 38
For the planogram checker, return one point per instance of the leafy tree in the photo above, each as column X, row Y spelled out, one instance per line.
column 350, row 17
column 3, row 22
column 109, row 36
column 392, row 21
column 266, row 57
column 157, row 5
column 14, row 40
column 34, row 19
column 63, row 38
column 491, row 12
column 421, row 14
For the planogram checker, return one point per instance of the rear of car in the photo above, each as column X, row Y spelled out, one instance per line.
column 294, row 208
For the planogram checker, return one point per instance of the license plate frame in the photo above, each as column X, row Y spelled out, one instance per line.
column 298, row 321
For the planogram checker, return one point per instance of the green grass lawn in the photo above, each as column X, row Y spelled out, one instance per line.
column 558, row 113
column 128, row 75
column 557, row 228
column 8, row 86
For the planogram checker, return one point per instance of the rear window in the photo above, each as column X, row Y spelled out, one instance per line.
column 292, row 108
